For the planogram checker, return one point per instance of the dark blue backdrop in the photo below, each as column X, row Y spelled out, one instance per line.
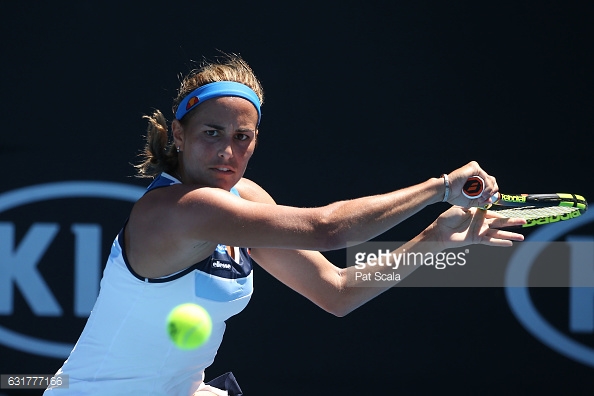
column 361, row 98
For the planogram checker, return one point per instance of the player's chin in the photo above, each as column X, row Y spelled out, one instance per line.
column 226, row 181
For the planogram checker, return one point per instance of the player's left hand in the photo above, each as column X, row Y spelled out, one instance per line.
column 459, row 226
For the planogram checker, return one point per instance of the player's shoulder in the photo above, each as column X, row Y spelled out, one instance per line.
column 180, row 210
column 248, row 186
column 181, row 195
column 252, row 191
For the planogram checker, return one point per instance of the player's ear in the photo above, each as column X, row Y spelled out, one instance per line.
column 177, row 131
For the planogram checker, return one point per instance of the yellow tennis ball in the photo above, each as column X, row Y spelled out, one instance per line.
column 189, row 326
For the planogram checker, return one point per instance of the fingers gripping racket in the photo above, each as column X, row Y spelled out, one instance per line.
column 536, row 209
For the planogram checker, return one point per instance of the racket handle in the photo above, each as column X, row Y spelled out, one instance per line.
column 495, row 198
column 473, row 187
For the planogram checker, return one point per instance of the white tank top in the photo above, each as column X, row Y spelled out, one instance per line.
column 124, row 347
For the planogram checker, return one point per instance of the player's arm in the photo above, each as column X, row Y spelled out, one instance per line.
column 334, row 288
column 310, row 274
column 211, row 214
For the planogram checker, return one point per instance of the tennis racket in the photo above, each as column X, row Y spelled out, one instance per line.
column 536, row 209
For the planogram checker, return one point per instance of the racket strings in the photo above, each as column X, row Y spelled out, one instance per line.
column 531, row 212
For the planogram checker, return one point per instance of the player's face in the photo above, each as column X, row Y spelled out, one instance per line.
column 217, row 142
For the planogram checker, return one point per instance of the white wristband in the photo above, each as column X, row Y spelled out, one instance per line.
column 446, row 183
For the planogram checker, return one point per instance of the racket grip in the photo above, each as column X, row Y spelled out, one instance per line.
column 473, row 187
column 495, row 198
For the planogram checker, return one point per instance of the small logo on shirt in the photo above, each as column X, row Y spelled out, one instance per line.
column 221, row 249
column 218, row 264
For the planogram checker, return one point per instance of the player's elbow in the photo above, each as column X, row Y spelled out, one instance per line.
column 334, row 308
column 339, row 309
column 340, row 302
column 341, row 312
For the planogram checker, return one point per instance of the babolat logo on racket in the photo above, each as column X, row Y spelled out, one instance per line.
column 512, row 198
column 553, row 218
column 473, row 187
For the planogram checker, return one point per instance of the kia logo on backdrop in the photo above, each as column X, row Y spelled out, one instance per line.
column 570, row 334
column 54, row 241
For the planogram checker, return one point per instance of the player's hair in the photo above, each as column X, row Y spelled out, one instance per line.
column 159, row 153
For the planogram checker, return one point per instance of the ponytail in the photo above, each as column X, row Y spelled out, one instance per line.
column 158, row 154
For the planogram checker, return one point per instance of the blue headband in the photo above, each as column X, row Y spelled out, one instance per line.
column 217, row 90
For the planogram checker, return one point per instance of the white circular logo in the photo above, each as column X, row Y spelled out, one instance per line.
column 45, row 192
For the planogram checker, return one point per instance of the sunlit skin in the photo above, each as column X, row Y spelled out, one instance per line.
column 217, row 142
column 215, row 147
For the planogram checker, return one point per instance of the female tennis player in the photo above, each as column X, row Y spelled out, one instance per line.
column 186, row 240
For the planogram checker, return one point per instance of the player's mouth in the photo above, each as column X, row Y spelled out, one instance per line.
column 222, row 169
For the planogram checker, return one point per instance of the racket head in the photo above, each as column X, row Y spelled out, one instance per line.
column 541, row 200
column 540, row 209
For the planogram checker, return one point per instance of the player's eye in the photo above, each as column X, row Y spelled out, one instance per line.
column 212, row 132
column 241, row 136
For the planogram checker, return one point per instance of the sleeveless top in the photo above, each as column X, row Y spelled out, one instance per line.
column 124, row 347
